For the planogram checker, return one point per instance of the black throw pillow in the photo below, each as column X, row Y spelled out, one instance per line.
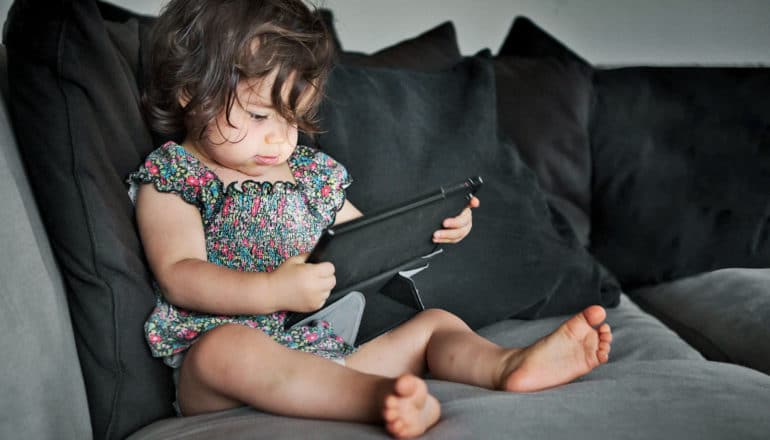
column 328, row 18
column 74, row 95
column 544, row 98
column 681, row 171
column 527, row 39
column 403, row 132
column 434, row 49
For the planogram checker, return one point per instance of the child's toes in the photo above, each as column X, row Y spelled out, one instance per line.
column 603, row 353
column 396, row 426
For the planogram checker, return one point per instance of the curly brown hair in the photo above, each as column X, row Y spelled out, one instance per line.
column 202, row 49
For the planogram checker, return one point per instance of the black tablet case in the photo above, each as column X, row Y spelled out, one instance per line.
column 369, row 252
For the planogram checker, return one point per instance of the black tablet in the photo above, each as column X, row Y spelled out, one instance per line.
column 378, row 242
column 370, row 250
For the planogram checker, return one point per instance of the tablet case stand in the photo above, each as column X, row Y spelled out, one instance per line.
column 344, row 315
column 373, row 307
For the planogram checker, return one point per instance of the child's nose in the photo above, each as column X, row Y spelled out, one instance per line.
column 275, row 137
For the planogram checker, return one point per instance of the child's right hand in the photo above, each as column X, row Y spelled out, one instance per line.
column 301, row 286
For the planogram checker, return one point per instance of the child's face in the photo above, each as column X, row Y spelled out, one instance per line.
column 258, row 140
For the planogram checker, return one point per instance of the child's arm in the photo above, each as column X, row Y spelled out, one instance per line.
column 173, row 239
column 347, row 213
column 457, row 228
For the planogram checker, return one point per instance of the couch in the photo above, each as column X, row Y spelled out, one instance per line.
column 643, row 189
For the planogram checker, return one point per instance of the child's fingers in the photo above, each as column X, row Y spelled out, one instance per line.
column 462, row 220
column 456, row 228
column 326, row 284
column 324, row 269
column 297, row 259
column 451, row 235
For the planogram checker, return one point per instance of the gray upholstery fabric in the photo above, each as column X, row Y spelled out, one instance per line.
column 655, row 386
column 43, row 396
column 725, row 313
column 675, row 399
column 637, row 335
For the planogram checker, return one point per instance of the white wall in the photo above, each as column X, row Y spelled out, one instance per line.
column 602, row 31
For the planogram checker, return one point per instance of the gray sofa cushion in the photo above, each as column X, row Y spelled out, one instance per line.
column 655, row 386
column 42, row 389
column 641, row 400
column 637, row 335
column 724, row 313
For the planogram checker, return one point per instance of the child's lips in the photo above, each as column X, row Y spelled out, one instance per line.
column 266, row 160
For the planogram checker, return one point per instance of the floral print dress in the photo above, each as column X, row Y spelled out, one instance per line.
column 249, row 226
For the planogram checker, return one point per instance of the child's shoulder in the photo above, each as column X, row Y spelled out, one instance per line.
column 172, row 169
column 316, row 161
column 171, row 160
column 323, row 180
column 172, row 154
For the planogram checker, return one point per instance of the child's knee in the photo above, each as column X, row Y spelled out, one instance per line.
column 210, row 358
column 443, row 319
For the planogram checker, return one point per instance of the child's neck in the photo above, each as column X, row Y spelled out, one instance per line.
column 278, row 173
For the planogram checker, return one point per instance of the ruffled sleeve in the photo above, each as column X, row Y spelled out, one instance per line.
column 324, row 181
column 171, row 169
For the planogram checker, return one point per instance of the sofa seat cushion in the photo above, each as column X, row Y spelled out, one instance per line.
column 725, row 313
column 637, row 336
column 654, row 386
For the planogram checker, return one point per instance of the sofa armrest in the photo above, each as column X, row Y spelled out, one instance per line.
column 43, row 395
column 725, row 314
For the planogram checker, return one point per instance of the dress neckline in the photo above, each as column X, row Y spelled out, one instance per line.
column 242, row 186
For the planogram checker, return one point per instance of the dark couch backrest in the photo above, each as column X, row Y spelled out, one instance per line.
column 681, row 171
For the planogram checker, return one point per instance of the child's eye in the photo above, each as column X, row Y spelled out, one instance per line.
column 256, row 116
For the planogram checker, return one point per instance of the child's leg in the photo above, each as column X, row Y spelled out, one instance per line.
column 234, row 365
column 442, row 343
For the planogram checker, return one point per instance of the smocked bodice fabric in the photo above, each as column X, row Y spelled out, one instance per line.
column 249, row 226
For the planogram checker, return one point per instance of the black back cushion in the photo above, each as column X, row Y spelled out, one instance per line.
column 433, row 49
column 544, row 98
column 681, row 171
column 402, row 133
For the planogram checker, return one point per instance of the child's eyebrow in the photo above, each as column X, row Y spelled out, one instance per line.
column 255, row 101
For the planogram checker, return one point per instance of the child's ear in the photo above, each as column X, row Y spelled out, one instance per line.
column 183, row 98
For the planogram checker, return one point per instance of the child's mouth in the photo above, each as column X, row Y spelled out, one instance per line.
column 266, row 160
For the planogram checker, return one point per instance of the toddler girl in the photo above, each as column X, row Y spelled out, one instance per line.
column 228, row 215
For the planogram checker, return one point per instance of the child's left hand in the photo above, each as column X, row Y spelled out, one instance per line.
column 456, row 228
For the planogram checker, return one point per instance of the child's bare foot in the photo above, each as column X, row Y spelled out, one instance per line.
column 409, row 411
column 578, row 346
